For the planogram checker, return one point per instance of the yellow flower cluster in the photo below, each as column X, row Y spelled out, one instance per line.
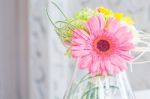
column 118, row 16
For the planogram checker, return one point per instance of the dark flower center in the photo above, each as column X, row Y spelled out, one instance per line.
column 103, row 45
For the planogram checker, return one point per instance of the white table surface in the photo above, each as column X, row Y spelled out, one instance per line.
column 143, row 94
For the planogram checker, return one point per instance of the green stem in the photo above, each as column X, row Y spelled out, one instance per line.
column 82, row 80
column 59, row 9
column 66, row 23
column 89, row 92
column 50, row 18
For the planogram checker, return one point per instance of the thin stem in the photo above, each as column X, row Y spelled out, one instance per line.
column 143, row 32
column 50, row 18
column 136, row 58
column 141, row 62
column 131, row 67
column 59, row 9
column 70, row 28
column 87, row 92
column 95, row 91
column 65, row 23
column 82, row 79
column 141, row 49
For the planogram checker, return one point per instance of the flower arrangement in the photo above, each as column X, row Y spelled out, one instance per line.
column 103, row 42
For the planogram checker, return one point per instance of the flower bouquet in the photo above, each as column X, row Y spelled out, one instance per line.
column 103, row 43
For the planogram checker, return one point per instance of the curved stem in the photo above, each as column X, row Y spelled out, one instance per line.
column 87, row 92
column 65, row 23
column 136, row 58
column 50, row 18
column 59, row 9
column 141, row 62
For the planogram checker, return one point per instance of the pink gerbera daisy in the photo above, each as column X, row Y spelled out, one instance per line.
column 104, row 47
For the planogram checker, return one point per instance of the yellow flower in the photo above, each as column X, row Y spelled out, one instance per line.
column 128, row 20
column 118, row 16
column 105, row 11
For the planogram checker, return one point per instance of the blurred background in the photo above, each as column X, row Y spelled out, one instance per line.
column 32, row 61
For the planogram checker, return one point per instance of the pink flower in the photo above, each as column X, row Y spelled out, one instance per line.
column 104, row 48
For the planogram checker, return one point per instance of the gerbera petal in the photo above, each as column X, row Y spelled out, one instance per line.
column 123, row 67
column 123, row 35
column 85, row 61
column 111, row 68
column 112, row 25
column 95, row 25
column 116, row 70
column 122, row 30
column 127, row 37
column 102, row 22
column 95, row 66
column 126, row 46
column 81, row 47
column 104, row 72
column 102, row 65
column 78, row 41
column 108, row 66
column 116, row 61
column 80, row 53
column 80, row 33
column 125, row 55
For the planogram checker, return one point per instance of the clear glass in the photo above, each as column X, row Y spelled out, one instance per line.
column 87, row 86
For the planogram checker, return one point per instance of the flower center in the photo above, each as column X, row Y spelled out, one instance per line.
column 103, row 45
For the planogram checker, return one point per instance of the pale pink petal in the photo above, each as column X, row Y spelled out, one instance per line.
column 126, row 46
column 85, row 62
column 80, row 53
column 81, row 47
column 108, row 66
column 67, row 44
column 80, row 33
column 102, row 68
column 125, row 38
column 112, row 25
column 78, row 41
column 92, row 38
column 125, row 55
column 95, row 66
column 102, row 22
column 116, row 70
column 104, row 72
column 111, row 68
column 123, row 67
column 100, row 33
column 117, row 65
column 123, row 35
column 116, row 61
column 99, row 70
column 102, row 65
column 121, row 31
column 95, row 25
